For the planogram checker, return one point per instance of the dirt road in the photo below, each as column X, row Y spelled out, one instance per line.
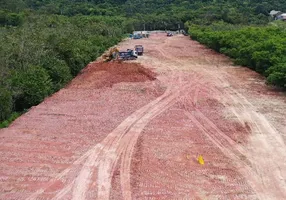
column 134, row 131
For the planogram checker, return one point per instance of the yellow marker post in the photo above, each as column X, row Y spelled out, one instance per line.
column 201, row 160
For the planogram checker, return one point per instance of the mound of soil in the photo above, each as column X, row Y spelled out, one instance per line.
column 106, row 74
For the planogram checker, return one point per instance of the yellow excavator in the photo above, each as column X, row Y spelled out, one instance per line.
column 111, row 54
column 114, row 54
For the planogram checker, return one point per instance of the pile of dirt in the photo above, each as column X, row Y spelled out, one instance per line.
column 106, row 74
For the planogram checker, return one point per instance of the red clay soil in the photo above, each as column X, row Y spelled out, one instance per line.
column 107, row 74
column 134, row 130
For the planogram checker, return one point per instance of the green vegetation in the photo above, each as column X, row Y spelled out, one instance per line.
column 45, row 43
column 11, row 118
column 262, row 49
column 41, row 53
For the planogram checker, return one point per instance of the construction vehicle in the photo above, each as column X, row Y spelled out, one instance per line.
column 184, row 33
column 127, row 55
column 169, row 34
column 111, row 54
column 139, row 49
column 114, row 54
column 137, row 36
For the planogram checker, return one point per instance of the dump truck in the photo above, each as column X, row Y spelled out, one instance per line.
column 139, row 49
column 128, row 55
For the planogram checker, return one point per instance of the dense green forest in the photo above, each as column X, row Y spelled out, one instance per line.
column 45, row 43
column 261, row 48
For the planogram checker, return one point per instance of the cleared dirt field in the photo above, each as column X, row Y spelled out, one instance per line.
column 135, row 130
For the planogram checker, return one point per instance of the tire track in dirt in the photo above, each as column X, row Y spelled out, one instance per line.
column 264, row 135
column 227, row 146
column 222, row 145
column 176, row 64
column 132, row 138
column 97, row 156
column 108, row 145
column 129, row 141
column 265, row 174
column 267, row 159
column 246, row 115
column 126, row 146
column 106, row 156
column 126, row 163
column 230, row 147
